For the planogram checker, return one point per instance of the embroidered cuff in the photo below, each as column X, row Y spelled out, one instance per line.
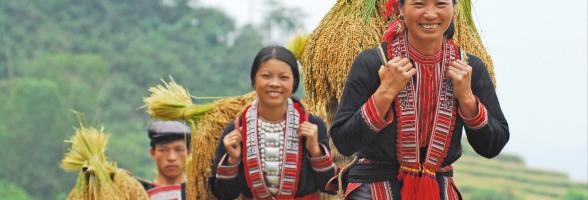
column 322, row 163
column 372, row 117
column 227, row 171
column 478, row 121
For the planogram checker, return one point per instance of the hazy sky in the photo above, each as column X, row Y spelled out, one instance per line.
column 539, row 49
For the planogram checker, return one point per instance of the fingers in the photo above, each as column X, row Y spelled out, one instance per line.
column 308, row 129
column 460, row 65
column 457, row 71
column 452, row 73
column 232, row 140
column 411, row 72
column 401, row 64
column 393, row 61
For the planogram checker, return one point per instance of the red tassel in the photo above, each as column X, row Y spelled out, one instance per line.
column 427, row 188
column 409, row 181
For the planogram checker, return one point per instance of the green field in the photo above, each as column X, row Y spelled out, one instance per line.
column 507, row 177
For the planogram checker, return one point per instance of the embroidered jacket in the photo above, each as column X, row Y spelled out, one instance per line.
column 228, row 182
column 358, row 128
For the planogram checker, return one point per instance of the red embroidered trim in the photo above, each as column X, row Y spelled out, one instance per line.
column 226, row 171
column 419, row 179
column 351, row 187
column 292, row 154
column 381, row 191
column 478, row 121
column 423, row 59
column 162, row 189
column 450, row 191
column 372, row 117
column 407, row 137
column 324, row 162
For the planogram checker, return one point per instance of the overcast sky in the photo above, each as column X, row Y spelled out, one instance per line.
column 539, row 49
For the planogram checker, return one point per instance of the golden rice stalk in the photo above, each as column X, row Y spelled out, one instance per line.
column 297, row 44
column 98, row 178
column 170, row 101
column 467, row 37
column 87, row 152
column 209, row 128
column 87, row 156
column 332, row 47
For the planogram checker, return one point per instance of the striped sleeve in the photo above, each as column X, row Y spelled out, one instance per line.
column 322, row 163
column 372, row 117
column 478, row 121
column 227, row 171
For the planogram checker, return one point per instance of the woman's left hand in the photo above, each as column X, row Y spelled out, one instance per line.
column 460, row 74
column 309, row 131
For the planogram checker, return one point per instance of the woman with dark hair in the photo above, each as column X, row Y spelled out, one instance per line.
column 274, row 149
column 404, row 118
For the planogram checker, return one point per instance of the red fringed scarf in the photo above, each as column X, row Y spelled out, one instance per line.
column 292, row 153
column 419, row 179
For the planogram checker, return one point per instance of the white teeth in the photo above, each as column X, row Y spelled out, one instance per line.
column 274, row 93
column 430, row 26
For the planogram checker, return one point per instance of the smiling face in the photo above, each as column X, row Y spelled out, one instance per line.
column 427, row 20
column 274, row 83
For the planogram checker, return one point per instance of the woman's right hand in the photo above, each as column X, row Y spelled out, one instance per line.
column 395, row 75
column 232, row 142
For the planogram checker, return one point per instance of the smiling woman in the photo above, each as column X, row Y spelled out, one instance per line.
column 403, row 118
column 274, row 149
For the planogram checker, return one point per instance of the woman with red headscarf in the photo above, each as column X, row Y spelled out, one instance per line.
column 404, row 118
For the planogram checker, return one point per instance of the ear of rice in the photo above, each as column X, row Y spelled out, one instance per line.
column 132, row 189
column 468, row 38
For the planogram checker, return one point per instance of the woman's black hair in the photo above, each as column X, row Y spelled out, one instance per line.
column 450, row 31
column 280, row 53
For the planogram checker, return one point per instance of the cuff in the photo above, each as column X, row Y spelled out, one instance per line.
column 478, row 121
column 372, row 117
column 324, row 162
column 227, row 171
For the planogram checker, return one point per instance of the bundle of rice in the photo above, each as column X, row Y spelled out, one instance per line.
column 98, row 178
column 467, row 37
column 171, row 101
column 347, row 29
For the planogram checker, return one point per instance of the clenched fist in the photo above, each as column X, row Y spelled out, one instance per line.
column 232, row 142
column 309, row 131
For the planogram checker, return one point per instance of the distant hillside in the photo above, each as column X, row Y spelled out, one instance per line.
column 507, row 177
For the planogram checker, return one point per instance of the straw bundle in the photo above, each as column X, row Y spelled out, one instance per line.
column 98, row 178
column 347, row 29
column 171, row 101
column 467, row 37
